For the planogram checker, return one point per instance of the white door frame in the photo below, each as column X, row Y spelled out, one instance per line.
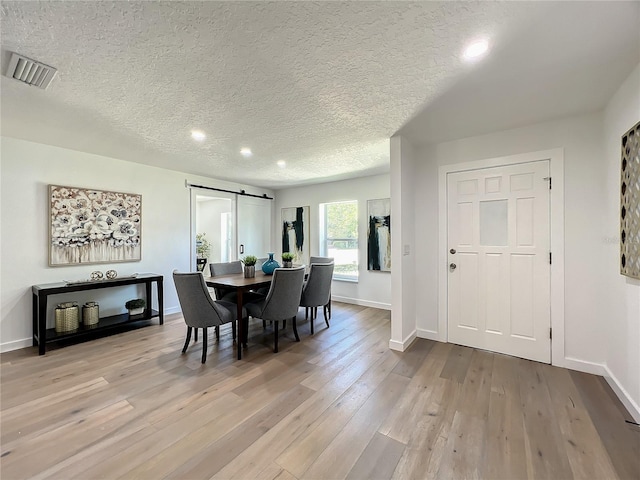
column 556, row 167
column 195, row 192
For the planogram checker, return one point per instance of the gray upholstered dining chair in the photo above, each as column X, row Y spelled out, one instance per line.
column 326, row 308
column 259, row 263
column 226, row 268
column 230, row 295
column 320, row 260
column 316, row 291
column 282, row 301
column 200, row 310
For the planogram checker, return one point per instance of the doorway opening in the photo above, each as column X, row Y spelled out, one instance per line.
column 214, row 230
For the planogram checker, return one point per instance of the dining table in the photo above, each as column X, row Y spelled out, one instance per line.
column 241, row 284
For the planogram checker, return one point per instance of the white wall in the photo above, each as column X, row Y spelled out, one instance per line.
column 373, row 288
column 403, row 312
column 621, row 295
column 581, row 139
column 27, row 169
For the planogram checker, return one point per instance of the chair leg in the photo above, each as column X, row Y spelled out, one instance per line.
column 284, row 324
column 246, row 330
column 311, row 322
column 186, row 343
column 326, row 319
column 204, row 344
column 306, row 313
column 295, row 329
column 233, row 330
column 275, row 338
column 217, row 332
column 264, row 324
column 195, row 339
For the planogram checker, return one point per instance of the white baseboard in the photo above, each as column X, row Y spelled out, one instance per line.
column 27, row 342
column 15, row 345
column 363, row 303
column 580, row 365
column 402, row 346
column 170, row 310
column 429, row 335
column 603, row 371
column 631, row 406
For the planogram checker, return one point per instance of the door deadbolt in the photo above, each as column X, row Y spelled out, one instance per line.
column 453, row 266
column 452, row 251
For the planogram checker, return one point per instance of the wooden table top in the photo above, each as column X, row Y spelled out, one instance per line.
column 238, row 280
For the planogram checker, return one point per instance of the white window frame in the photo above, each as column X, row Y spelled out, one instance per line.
column 323, row 248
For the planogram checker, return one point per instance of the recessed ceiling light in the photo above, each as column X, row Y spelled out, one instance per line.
column 245, row 152
column 281, row 163
column 476, row 50
column 198, row 135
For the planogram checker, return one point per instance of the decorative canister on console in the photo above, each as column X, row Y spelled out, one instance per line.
column 270, row 265
column 67, row 317
column 90, row 314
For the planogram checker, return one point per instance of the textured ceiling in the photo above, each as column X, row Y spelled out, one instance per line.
column 320, row 85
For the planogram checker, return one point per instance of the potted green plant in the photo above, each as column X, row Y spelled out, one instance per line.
column 136, row 306
column 203, row 248
column 249, row 266
column 287, row 259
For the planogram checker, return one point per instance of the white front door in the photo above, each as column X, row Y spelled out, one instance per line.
column 499, row 260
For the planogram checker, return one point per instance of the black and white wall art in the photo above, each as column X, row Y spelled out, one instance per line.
column 379, row 234
column 295, row 233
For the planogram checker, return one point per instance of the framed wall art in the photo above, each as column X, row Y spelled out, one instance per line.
column 93, row 226
column 630, row 203
column 295, row 233
column 379, row 234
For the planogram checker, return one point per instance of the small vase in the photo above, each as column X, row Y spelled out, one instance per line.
column 136, row 311
column 270, row 265
column 249, row 271
column 287, row 263
column 200, row 264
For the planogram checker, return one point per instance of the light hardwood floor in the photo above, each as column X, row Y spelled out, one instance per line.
column 339, row 404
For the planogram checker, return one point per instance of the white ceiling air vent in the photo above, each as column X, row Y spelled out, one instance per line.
column 30, row 72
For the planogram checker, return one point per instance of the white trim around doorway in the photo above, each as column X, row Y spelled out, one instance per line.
column 556, row 165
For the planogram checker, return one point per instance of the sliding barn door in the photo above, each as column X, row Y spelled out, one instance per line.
column 254, row 226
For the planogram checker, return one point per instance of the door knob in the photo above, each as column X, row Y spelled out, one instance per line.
column 453, row 266
column 452, row 251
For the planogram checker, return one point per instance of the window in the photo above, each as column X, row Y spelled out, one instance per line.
column 339, row 237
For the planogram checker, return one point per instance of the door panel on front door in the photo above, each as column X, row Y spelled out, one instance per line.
column 498, row 229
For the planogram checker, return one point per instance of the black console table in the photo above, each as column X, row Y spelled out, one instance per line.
column 42, row 335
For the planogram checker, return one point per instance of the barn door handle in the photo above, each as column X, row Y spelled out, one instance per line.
column 453, row 266
column 241, row 249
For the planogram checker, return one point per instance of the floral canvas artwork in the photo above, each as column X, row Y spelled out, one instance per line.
column 93, row 226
